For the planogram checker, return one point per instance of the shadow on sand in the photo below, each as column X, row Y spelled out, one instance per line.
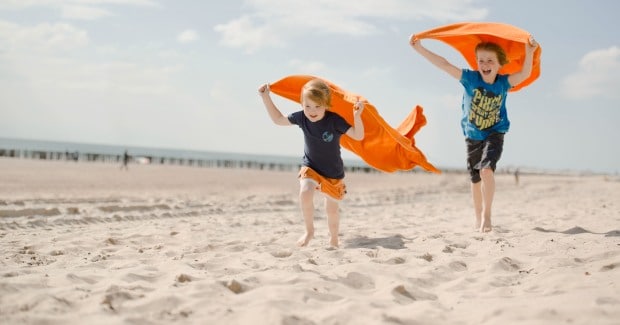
column 578, row 230
column 391, row 242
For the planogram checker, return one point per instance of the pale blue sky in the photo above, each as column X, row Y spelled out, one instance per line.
column 185, row 74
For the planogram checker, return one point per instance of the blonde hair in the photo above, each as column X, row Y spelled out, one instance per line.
column 317, row 91
column 492, row 47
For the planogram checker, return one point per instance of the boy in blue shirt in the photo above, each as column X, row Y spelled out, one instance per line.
column 484, row 120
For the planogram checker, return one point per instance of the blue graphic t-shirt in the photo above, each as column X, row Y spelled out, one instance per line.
column 484, row 105
column 322, row 142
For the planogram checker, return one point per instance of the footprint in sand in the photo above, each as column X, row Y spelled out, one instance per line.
column 115, row 296
column 181, row 278
column 282, row 254
column 357, row 280
column 506, row 264
column 610, row 267
column 405, row 295
column 296, row 320
column 458, row 266
column 81, row 279
column 236, row 287
column 132, row 277
column 427, row 257
column 395, row 260
column 314, row 294
column 607, row 301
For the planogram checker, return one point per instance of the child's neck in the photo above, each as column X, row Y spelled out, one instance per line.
column 489, row 79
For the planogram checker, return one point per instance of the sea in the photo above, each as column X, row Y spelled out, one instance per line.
column 30, row 145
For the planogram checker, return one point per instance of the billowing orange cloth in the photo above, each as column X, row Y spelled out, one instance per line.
column 465, row 36
column 383, row 147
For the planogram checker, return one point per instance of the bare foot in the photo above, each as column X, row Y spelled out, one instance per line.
column 304, row 239
column 486, row 225
column 478, row 223
column 333, row 242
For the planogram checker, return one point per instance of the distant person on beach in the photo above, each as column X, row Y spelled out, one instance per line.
column 322, row 166
column 517, row 176
column 484, row 121
column 125, row 164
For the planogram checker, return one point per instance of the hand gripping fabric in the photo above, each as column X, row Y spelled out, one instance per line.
column 384, row 148
column 465, row 36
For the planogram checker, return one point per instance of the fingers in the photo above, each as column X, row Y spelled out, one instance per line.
column 358, row 105
column 264, row 88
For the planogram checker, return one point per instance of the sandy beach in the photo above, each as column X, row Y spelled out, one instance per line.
column 88, row 243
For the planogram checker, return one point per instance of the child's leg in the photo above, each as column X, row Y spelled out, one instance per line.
column 474, row 155
column 333, row 220
column 488, row 191
column 306, row 200
column 491, row 153
column 476, row 195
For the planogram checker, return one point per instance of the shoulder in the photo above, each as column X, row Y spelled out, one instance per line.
column 335, row 117
column 331, row 114
column 470, row 78
column 296, row 117
column 503, row 79
column 469, row 75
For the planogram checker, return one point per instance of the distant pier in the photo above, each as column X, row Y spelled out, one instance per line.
column 93, row 157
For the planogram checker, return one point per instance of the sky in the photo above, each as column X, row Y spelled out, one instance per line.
column 184, row 74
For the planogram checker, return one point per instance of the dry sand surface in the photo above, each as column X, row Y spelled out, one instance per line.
column 87, row 243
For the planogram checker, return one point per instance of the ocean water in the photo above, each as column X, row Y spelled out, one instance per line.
column 136, row 152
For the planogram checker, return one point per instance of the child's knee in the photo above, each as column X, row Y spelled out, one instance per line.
column 486, row 172
column 307, row 187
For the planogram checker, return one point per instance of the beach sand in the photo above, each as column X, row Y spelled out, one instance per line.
column 88, row 243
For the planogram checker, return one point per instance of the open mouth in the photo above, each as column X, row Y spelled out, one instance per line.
column 486, row 72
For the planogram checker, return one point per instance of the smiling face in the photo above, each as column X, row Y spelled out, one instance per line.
column 313, row 110
column 315, row 99
column 488, row 65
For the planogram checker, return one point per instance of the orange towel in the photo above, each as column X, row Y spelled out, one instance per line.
column 465, row 36
column 383, row 147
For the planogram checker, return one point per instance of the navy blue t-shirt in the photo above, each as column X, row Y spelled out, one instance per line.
column 322, row 142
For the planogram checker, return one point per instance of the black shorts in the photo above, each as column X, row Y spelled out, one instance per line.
column 483, row 154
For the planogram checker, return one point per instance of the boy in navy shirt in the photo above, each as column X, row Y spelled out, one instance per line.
column 322, row 166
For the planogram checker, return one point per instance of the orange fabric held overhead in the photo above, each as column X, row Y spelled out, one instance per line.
column 383, row 147
column 465, row 36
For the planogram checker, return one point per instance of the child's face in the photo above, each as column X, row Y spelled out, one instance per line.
column 313, row 111
column 488, row 65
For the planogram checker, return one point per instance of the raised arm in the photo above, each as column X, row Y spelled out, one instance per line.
column 435, row 59
column 518, row 77
column 356, row 132
column 274, row 113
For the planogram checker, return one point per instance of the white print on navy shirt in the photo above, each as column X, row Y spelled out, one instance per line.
column 328, row 136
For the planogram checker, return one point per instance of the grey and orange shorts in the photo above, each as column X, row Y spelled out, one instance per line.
column 334, row 188
column 483, row 154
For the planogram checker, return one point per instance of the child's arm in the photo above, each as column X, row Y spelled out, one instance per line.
column 518, row 77
column 435, row 59
column 274, row 112
column 356, row 132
